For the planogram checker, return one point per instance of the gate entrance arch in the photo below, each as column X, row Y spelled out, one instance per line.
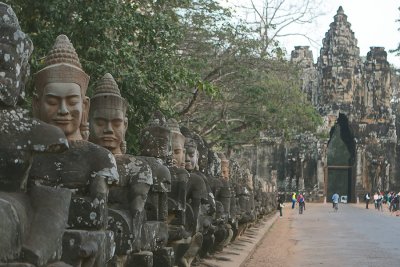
column 340, row 158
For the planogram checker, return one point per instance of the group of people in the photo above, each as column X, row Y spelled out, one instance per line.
column 390, row 198
column 296, row 198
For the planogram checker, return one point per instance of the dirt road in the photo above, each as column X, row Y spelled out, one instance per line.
column 276, row 248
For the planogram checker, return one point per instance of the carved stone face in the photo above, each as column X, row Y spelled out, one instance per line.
column 108, row 129
column 225, row 169
column 15, row 49
column 62, row 105
column 192, row 159
column 178, row 157
column 249, row 179
column 178, row 150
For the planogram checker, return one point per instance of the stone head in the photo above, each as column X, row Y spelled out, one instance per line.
column 15, row 50
column 107, row 116
column 249, row 179
column 224, row 166
column 192, row 154
column 235, row 172
column 155, row 138
column 214, row 164
column 61, row 91
column 177, row 143
column 203, row 153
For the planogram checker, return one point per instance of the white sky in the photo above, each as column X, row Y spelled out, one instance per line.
column 372, row 21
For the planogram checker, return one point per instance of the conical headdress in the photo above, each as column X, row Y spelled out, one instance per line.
column 177, row 137
column 62, row 65
column 107, row 95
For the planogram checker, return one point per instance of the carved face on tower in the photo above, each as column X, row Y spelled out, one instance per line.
column 60, row 90
column 108, row 122
column 15, row 50
column 177, row 143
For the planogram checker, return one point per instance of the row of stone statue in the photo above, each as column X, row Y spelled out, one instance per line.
column 71, row 196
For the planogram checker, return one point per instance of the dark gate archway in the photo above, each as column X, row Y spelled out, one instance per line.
column 341, row 153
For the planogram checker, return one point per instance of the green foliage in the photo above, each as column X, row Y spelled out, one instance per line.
column 192, row 59
column 135, row 41
column 255, row 90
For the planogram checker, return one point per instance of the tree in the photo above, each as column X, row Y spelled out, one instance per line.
column 256, row 90
column 274, row 20
column 178, row 56
column 135, row 41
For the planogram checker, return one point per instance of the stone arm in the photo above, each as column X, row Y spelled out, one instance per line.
column 196, row 195
column 90, row 211
column 106, row 175
column 46, row 138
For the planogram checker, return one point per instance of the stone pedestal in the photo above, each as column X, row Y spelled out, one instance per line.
column 142, row 259
column 164, row 257
column 88, row 248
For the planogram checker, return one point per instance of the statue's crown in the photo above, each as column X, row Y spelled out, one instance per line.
column 63, row 52
column 173, row 125
column 62, row 65
column 190, row 142
column 107, row 95
column 107, row 85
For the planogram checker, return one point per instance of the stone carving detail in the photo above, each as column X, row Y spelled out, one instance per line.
column 86, row 169
column 126, row 215
column 155, row 147
column 27, row 235
column 341, row 85
column 68, row 202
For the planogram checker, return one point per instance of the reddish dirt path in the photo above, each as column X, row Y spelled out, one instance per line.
column 276, row 248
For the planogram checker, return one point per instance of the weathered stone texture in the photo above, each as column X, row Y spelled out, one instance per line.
column 341, row 85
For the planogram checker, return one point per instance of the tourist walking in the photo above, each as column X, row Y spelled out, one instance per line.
column 367, row 198
column 300, row 200
column 335, row 201
column 376, row 200
column 294, row 200
column 379, row 201
column 280, row 206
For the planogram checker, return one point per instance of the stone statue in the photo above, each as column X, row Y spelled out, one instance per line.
column 227, row 198
column 179, row 232
column 209, row 219
column 86, row 169
column 108, row 125
column 179, row 178
column 155, row 149
column 198, row 197
column 248, row 195
column 242, row 196
column 32, row 222
column 223, row 232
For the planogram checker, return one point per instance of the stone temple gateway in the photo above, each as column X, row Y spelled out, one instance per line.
column 356, row 148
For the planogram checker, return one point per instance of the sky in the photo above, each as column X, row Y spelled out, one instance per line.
column 372, row 21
